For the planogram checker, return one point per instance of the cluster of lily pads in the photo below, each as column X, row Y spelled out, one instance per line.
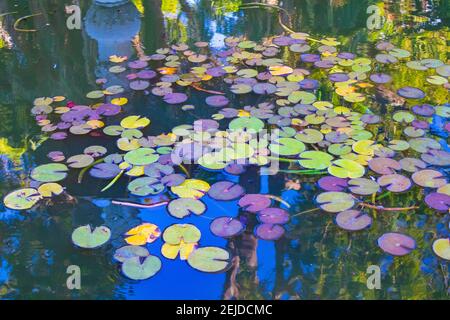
column 316, row 137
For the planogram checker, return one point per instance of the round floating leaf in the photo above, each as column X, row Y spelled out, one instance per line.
column 134, row 122
column 210, row 259
column 191, row 188
column 254, row 202
column 105, row 170
column 268, row 231
column 175, row 98
column 353, row 220
column 394, row 182
column 429, row 178
column 127, row 252
column 80, row 161
column 226, row 227
column 411, row 93
column 247, row 123
column 384, row 165
column 344, row 168
column 183, row 207
column 136, row 269
column 225, row 190
column 50, row 189
column 85, row 237
column 315, row 160
column 141, row 156
column 335, row 201
column 396, row 244
column 142, row 234
column 332, row 183
column 438, row 201
column 217, row 101
column 145, row 186
column 441, row 248
column 177, row 233
column 363, row 186
column 273, row 216
column 51, row 172
column 287, row 146
column 22, row 199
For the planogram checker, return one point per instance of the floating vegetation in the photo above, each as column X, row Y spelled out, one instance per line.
column 291, row 123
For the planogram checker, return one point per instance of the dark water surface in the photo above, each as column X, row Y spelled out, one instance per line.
column 316, row 260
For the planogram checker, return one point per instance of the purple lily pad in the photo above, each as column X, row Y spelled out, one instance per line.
column 394, row 182
column 338, row 77
column 380, row 78
column 396, row 244
column 264, row 88
column 139, row 85
column 137, row 64
column 309, row 84
column 309, row 57
column 226, row 191
column 172, row 180
column 217, row 101
column 59, row 135
column 105, row 170
column 411, row 93
column 353, row 220
column 175, row 98
column 438, row 201
column 425, row 110
column 254, row 202
column 273, row 216
column 330, row 183
column 146, row 74
column 108, row 109
column 56, row 156
column 268, row 231
column 216, row 72
column 235, row 169
column 226, row 227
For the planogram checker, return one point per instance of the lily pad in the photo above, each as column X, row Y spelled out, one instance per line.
column 353, row 220
column 137, row 269
column 396, row 244
column 22, row 199
column 191, row 188
column 429, row 178
column 226, row 191
column 51, row 172
column 85, row 237
column 226, row 227
column 441, row 248
column 333, row 201
column 127, row 252
column 254, row 202
column 394, row 182
column 210, row 259
column 183, row 207
column 268, row 231
column 142, row 234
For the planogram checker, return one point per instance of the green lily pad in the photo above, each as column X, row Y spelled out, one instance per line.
column 22, row 199
column 315, row 160
column 177, row 233
column 210, row 259
column 344, row 168
column 136, row 269
column 145, row 186
column 141, row 156
column 51, row 172
column 84, row 237
column 183, row 207
column 287, row 146
column 334, row 201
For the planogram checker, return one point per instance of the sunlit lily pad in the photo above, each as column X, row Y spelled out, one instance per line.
column 191, row 188
column 363, row 186
column 315, row 160
column 142, row 234
column 429, row 178
column 22, row 199
column 441, row 248
column 344, row 168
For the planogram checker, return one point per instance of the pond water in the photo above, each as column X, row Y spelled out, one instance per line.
column 315, row 259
